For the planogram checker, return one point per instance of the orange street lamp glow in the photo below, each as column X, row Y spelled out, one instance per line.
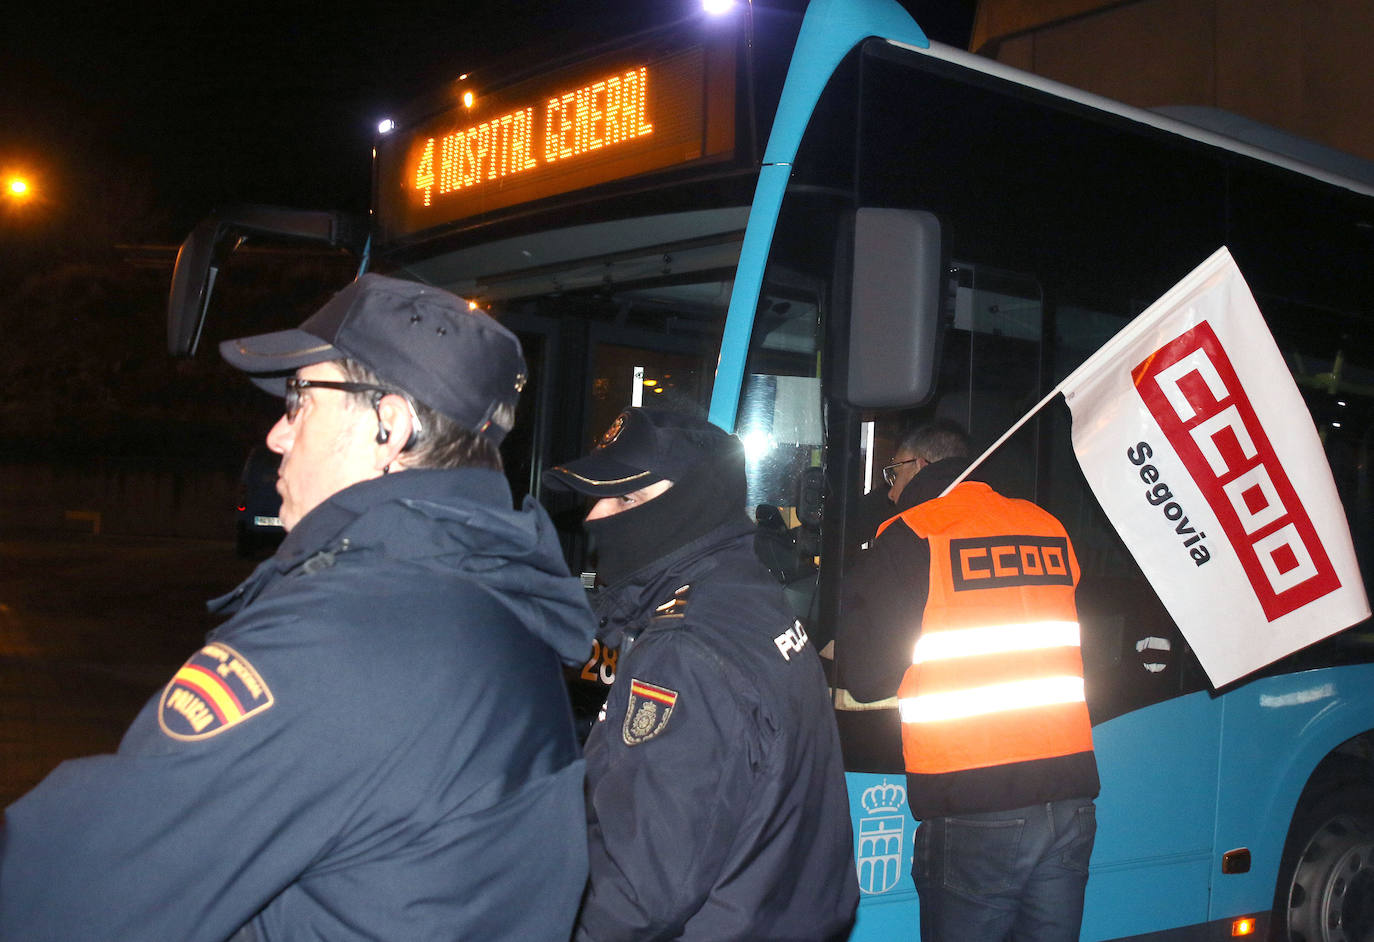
column 17, row 187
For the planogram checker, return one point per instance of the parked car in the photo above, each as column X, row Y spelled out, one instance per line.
column 258, row 526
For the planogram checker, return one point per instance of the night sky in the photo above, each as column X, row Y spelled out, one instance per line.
column 135, row 125
column 166, row 117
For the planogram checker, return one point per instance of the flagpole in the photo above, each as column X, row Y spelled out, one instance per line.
column 1005, row 435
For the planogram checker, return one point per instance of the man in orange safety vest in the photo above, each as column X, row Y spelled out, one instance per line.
column 963, row 609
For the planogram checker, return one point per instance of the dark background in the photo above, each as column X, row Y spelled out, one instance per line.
column 136, row 124
column 133, row 123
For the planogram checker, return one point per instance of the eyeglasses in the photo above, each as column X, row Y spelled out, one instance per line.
column 295, row 384
column 890, row 472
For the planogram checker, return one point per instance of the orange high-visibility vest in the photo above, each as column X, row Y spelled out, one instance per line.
column 996, row 675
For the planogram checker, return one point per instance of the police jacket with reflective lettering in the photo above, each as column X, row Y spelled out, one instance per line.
column 966, row 602
column 716, row 796
column 377, row 745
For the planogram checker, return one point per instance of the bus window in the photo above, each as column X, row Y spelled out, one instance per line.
column 780, row 425
column 1331, row 363
column 628, row 375
column 989, row 377
column 595, row 352
column 993, row 353
column 1133, row 654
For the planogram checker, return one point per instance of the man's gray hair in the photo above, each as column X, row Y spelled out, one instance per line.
column 440, row 442
column 935, row 441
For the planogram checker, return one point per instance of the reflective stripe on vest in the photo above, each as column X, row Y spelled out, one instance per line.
column 994, row 698
column 991, row 639
column 996, row 674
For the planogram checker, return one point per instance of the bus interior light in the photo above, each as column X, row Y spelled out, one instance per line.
column 757, row 444
column 717, row 7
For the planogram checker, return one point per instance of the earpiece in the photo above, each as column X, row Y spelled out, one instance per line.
column 383, row 434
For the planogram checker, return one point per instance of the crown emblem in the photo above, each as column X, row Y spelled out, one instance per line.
column 886, row 798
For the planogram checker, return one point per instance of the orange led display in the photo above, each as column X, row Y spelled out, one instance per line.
column 605, row 114
column 648, row 109
column 488, row 151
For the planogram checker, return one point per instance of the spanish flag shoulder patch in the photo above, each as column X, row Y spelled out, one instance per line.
column 213, row 691
column 648, row 711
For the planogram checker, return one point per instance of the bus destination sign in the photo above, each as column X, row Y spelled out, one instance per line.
column 645, row 110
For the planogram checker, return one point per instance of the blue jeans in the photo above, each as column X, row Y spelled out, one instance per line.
column 1002, row 875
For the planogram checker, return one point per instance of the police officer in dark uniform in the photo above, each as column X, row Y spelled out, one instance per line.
column 377, row 743
column 716, row 797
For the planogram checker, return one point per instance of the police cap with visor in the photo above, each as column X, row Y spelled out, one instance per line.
column 421, row 339
column 642, row 447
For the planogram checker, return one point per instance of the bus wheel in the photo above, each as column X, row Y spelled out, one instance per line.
column 1325, row 891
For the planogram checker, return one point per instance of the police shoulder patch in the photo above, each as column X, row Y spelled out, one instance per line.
column 214, row 690
column 648, row 712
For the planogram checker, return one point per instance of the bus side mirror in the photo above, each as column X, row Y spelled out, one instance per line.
column 897, row 293
column 201, row 255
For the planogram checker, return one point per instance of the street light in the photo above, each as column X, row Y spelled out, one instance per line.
column 18, row 189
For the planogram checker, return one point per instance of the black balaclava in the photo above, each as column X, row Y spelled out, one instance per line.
column 709, row 495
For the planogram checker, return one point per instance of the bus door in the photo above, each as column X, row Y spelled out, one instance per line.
column 630, row 367
column 527, row 443
column 780, row 422
column 592, row 353
column 989, row 374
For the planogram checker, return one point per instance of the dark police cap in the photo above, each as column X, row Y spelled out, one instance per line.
column 419, row 338
column 643, row 447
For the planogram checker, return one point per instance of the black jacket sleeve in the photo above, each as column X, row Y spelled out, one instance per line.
column 166, row 839
column 881, row 604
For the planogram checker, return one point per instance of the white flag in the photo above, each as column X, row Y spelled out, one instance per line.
column 1196, row 442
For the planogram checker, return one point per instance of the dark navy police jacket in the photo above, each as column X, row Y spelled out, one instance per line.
column 716, row 796
column 377, row 745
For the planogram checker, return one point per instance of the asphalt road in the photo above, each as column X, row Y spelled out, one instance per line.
column 90, row 628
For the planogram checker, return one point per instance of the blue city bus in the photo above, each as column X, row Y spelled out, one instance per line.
column 819, row 228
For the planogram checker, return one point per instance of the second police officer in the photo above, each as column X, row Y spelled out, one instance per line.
column 716, row 795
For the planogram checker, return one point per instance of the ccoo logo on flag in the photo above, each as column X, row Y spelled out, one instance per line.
column 1194, row 394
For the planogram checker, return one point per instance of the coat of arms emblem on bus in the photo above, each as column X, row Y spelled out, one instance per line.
column 880, row 857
